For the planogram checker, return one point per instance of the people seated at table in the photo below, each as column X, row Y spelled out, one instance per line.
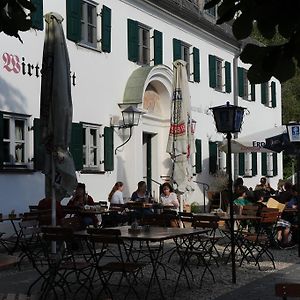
column 141, row 194
column 168, row 197
column 45, row 219
column 78, row 201
column 115, row 197
column 287, row 194
column 242, row 198
column 265, row 187
column 286, row 221
column 116, row 194
column 239, row 182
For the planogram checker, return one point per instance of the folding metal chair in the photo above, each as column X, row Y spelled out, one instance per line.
column 257, row 244
column 100, row 241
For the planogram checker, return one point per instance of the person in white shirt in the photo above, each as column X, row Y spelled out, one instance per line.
column 116, row 194
column 168, row 197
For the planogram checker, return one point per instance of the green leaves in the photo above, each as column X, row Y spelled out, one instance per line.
column 242, row 27
column 272, row 19
column 13, row 17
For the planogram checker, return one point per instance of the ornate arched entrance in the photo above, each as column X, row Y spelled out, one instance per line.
column 151, row 89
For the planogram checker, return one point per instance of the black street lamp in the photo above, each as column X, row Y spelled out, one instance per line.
column 131, row 117
column 293, row 129
column 229, row 120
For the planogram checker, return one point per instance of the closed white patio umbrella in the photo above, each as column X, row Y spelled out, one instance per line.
column 56, row 113
column 181, row 144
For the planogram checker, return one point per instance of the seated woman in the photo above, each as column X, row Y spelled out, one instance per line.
column 141, row 194
column 116, row 194
column 79, row 200
column 242, row 200
column 168, row 197
column 115, row 197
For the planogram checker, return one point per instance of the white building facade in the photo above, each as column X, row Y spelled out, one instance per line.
column 121, row 52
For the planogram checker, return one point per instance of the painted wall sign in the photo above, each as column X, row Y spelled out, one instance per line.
column 12, row 63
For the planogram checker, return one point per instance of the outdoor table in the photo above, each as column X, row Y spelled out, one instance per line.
column 157, row 234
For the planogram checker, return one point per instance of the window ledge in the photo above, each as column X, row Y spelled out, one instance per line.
column 219, row 90
column 92, row 172
column 88, row 47
column 14, row 170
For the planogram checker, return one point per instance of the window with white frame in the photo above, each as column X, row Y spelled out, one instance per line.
column 270, row 164
column 245, row 86
column 219, row 74
column 185, row 55
column 211, row 11
column 248, row 164
column 89, row 23
column 221, row 160
column 92, row 147
column 144, row 44
column 15, row 140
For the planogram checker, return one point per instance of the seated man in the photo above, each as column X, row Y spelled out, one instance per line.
column 79, row 200
column 45, row 219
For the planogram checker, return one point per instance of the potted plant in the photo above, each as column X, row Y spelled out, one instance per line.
column 12, row 214
column 218, row 190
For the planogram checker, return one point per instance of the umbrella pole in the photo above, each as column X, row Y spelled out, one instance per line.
column 53, row 203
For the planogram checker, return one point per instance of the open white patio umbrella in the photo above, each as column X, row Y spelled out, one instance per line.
column 181, row 143
column 255, row 142
column 56, row 113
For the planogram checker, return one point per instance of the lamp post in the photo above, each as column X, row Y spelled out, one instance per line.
column 228, row 119
column 293, row 129
column 131, row 117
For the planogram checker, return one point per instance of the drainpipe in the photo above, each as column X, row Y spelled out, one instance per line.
column 235, row 102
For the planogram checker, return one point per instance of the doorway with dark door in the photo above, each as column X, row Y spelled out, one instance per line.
column 147, row 159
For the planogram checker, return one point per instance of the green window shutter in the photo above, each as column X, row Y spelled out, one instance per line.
column 38, row 148
column 133, row 40
column 254, row 163
column 241, row 164
column 264, row 165
column 227, row 77
column 176, row 49
column 74, row 20
column 275, row 165
column 273, row 93
column 196, row 64
column 241, row 81
column 1, row 140
column 264, row 87
column 158, row 47
column 252, row 92
column 212, row 71
column 213, row 157
column 76, row 147
column 37, row 18
column 106, row 29
column 108, row 149
column 198, row 158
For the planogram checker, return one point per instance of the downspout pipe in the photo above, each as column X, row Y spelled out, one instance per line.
column 235, row 102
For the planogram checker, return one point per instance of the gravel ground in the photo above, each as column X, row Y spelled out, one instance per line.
column 15, row 281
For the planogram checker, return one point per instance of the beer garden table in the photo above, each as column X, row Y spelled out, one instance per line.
column 157, row 234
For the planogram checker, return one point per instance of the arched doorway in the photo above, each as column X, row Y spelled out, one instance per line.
column 151, row 89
